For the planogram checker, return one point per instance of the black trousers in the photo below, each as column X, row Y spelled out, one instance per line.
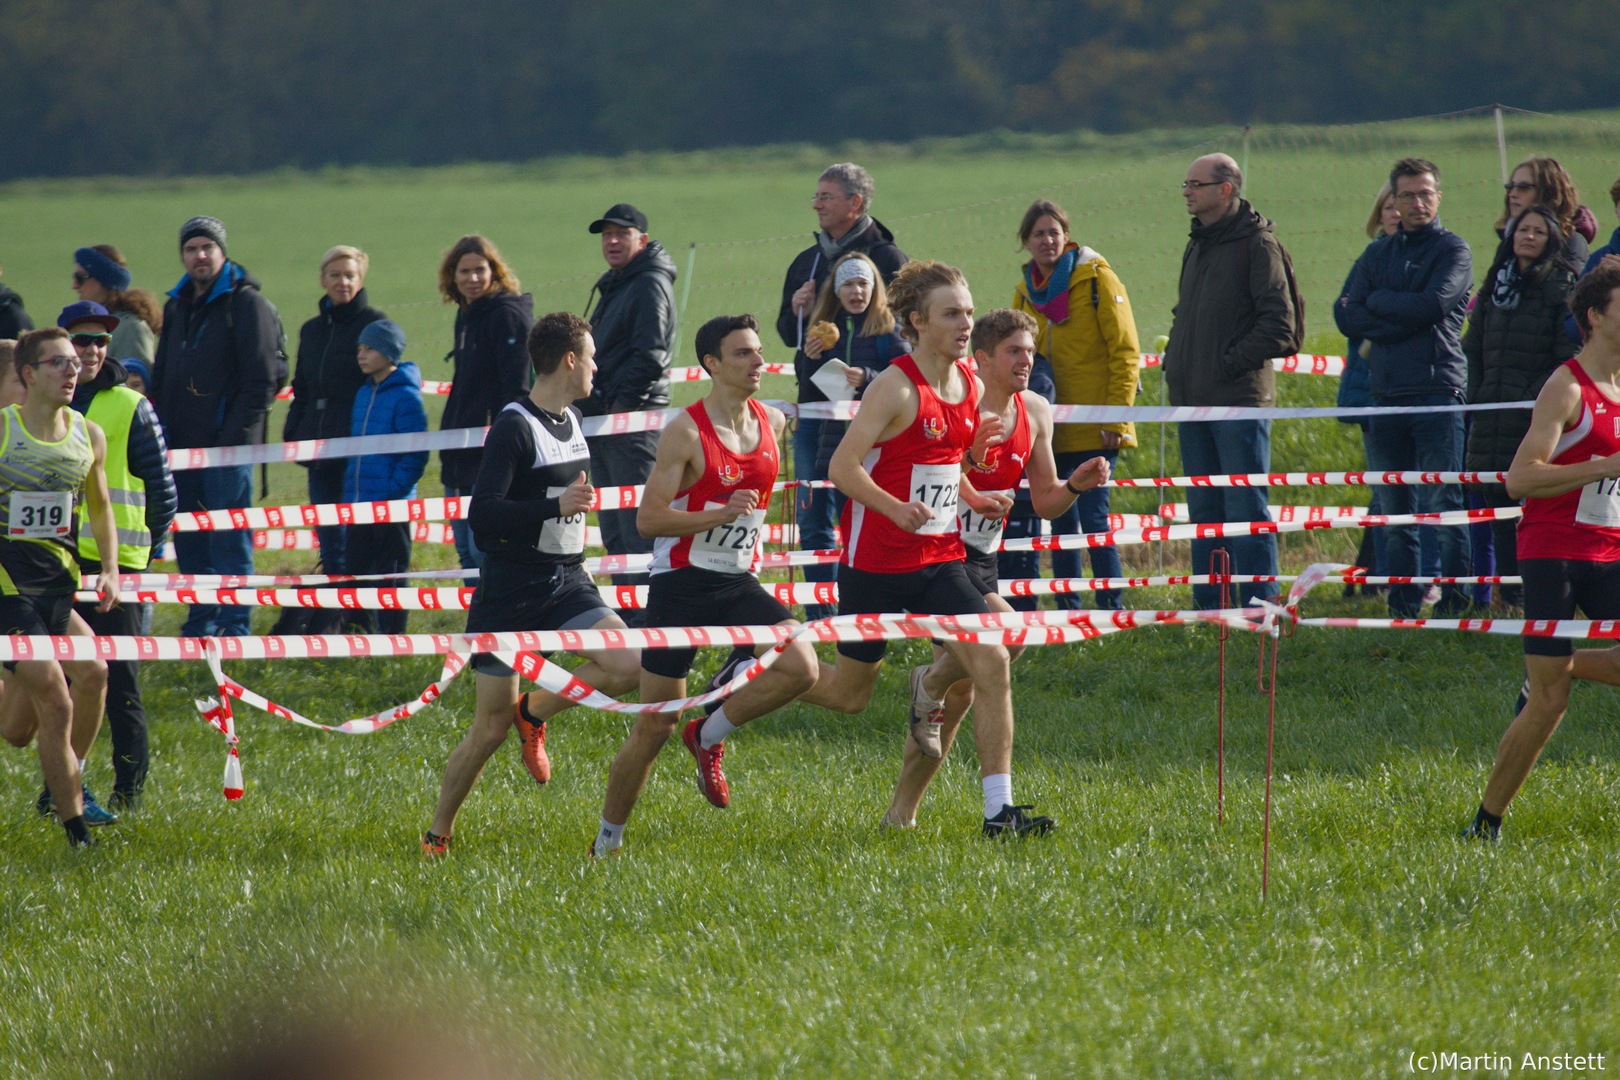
column 126, row 716
column 383, row 548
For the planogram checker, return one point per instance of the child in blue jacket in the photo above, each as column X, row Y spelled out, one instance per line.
column 390, row 403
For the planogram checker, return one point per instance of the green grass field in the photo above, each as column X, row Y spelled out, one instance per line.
column 788, row 936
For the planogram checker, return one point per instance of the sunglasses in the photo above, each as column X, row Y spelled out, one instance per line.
column 80, row 277
column 84, row 341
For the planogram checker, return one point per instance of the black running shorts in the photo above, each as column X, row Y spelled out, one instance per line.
column 513, row 596
column 941, row 589
column 1554, row 588
column 35, row 614
column 690, row 596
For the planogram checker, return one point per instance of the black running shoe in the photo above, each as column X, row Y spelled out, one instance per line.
column 1482, row 830
column 1017, row 822
column 1523, row 698
column 740, row 657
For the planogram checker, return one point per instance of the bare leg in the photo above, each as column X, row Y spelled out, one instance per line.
column 43, row 681
column 846, row 687
column 613, row 671
column 88, row 689
column 917, row 769
column 497, row 695
column 1598, row 665
column 17, row 717
column 1543, row 710
column 795, row 672
column 986, row 665
column 633, row 763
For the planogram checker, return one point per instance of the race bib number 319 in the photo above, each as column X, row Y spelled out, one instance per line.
column 40, row 515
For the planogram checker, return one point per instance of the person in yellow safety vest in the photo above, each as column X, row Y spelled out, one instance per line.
column 143, row 501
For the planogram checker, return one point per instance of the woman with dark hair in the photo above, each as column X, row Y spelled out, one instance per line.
column 1541, row 181
column 855, row 302
column 1088, row 334
column 324, row 384
column 101, row 276
column 1514, row 342
column 490, row 358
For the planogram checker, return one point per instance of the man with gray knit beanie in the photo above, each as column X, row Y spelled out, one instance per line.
column 220, row 360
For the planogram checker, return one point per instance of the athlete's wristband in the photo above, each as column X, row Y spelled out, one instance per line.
column 1070, row 489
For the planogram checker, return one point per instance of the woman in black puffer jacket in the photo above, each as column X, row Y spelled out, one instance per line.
column 1515, row 340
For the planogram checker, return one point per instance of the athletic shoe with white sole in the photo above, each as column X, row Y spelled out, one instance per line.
column 711, row 781
column 1013, row 823
column 926, row 724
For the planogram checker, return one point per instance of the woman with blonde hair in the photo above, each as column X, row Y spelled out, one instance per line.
column 490, row 357
column 324, row 384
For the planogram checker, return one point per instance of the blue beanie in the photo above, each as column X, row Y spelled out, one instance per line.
column 386, row 337
column 136, row 366
column 103, row 269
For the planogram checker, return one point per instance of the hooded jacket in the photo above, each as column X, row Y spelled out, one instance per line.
column 391, row 407
column 634, row 329
column 1234, row 312
column 147, row 454
column 868, row 236
column 219, row 363
column 327, row 376
column 1407, row 295
column 1511, row 354
column 491, row 360
column 13, row 319
column 1095, row 354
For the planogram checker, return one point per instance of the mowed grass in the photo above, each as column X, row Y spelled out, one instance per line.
column 789, row 936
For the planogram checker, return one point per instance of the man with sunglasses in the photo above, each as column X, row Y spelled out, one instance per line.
column 1407, row 297
column 50, row 456
column 143, row 498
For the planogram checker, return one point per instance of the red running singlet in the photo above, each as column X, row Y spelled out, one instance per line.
column 1582, row 524
column 923, row 463
column 732, row 548
column 1001, row 470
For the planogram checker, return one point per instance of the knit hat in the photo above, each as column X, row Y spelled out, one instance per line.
column 213, row 228
column 103, row 269
column 386, row 337
column 136, row 366
column 87, row 311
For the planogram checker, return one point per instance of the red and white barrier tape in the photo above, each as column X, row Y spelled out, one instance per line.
column 1172, row 512
column 1315, row 479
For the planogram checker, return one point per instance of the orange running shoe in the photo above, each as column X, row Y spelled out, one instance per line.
column 534, row 745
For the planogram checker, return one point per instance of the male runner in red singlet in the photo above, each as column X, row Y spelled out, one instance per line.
column 900, row 463
column 1003, row 345
column 1567, row 471
column 704, row 505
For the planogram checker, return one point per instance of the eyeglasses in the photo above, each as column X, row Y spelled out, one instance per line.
column 61, row 363
column 818, row 198
column 80, row 277
column 1193, row 185
column 84, row 341
column 1520, row 185
column 1409, row 197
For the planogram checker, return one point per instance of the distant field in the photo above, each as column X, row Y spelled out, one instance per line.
column 788, row 936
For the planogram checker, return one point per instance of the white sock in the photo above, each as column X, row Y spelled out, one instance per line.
column 609, row 839
column 997, row 793
column 715, row 729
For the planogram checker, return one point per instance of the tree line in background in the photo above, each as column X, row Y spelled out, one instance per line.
column 174, row 87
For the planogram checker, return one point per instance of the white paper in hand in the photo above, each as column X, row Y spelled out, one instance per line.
column 830, row 380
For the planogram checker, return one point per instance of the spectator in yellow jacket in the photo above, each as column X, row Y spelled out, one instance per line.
column 1088, row 335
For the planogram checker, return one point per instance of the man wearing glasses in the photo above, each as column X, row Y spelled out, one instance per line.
column 1234, row 312
column 143, row 500
column 220, row 359
column 1407, row 296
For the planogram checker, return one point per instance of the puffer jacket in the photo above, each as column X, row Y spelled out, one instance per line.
column 391, row 407
column 13, row 318
column 1095, row 354
column 634, row 330
column 1408, row 295
column 148, row 456
column 1510, row 355
column 1234, row 312
column 491, row 359
column 868, row 235
column 327, row 377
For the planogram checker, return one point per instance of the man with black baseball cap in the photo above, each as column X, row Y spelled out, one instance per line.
column 634, row 329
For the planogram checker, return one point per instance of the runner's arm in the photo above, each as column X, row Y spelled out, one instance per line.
column 1531, row 476
column 1050, row 494
column 101, row 520
column 678, row 465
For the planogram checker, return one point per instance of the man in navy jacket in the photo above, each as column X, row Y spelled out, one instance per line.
column 1408, row 296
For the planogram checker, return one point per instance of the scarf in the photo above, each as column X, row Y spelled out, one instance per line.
column 1052, row 299
column 1507, row 286
column 831, row 249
